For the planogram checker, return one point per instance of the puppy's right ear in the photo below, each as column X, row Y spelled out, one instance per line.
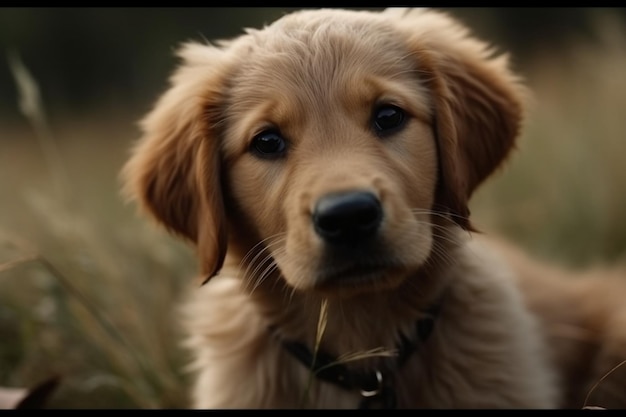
column 174, row 169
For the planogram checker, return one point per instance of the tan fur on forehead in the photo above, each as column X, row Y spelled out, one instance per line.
column 311, row 67
column 305, row 49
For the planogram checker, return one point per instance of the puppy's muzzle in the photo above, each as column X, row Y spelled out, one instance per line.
column 346, row 218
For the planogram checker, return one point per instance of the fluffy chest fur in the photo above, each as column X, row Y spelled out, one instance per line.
column 473, row 358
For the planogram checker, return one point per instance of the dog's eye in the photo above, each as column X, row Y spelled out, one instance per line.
column 268, row 144
column 388, row 118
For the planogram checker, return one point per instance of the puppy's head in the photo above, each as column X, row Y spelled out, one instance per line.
column 328, row 144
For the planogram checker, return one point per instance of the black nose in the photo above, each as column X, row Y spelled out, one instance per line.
column 347, row 217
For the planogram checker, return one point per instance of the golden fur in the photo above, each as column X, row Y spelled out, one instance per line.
column 317, row 77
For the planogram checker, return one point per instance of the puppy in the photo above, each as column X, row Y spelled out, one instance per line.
column 322, row 167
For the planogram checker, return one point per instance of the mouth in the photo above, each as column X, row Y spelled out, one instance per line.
column 360, row 277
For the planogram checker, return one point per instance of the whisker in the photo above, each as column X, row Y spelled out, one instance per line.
column 440, row 254
column 254, row 277
column 265, row 249
column 445, row 215
column 263, row 275
column 260, row 243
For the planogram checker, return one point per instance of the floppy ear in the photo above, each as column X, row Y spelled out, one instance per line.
column 476, row 99
column 174, row 169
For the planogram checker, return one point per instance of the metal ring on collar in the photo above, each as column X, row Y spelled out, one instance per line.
column 378, row 390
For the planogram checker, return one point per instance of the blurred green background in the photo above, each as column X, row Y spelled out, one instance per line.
column 89, row 290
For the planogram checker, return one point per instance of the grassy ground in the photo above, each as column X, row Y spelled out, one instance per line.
column 87, row 289
column 562, row 194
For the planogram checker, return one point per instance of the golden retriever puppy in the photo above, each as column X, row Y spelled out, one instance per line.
column 322, row 166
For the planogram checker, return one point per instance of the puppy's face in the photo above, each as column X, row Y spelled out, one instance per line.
column 321, row 146
column 330, row 155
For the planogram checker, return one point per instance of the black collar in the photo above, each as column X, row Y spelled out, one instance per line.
column 375, row 386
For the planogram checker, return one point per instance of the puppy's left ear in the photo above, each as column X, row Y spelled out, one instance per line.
column 174, row 169
column 477, row 102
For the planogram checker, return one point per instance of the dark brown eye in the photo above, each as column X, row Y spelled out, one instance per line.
column 268, row 144
column 387, row 119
